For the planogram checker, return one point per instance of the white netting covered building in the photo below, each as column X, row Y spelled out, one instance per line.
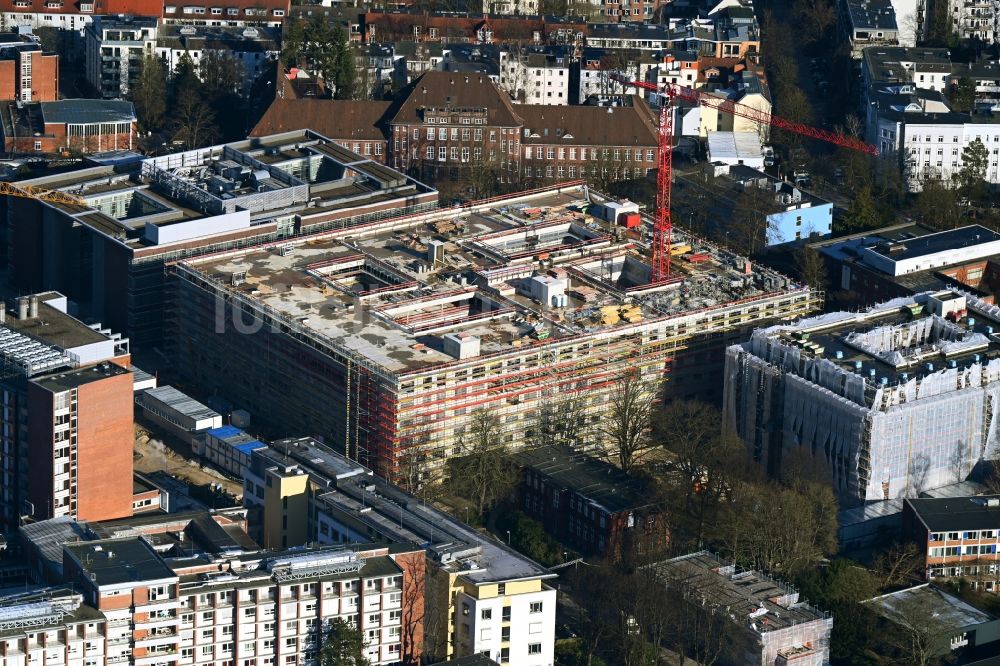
column 896, row 400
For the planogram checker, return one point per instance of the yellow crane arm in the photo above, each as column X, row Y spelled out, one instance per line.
column 41, row 193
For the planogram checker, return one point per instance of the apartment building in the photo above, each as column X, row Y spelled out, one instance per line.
column 266, row 607
column 868, row 23
column 115, row 50
column 482, row 596
column 66, row 414
column 908, row 114
column 973, row 20
column 763, row 622
column 226, row 13
column 113, row 245
column 72, row 17
column 535, row 76
column 252, row 49
column 892, row 400
column 50, row 625
column 590, row 505
column 957, row 537
column 27, row 74
column 443, row 27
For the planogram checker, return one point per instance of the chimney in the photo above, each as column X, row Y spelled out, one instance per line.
column 22, row 307
column 33, row 307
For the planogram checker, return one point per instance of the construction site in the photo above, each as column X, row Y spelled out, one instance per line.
column 893, row 401
column 385, row 339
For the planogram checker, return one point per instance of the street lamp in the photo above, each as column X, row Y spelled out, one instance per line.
column 508, row 537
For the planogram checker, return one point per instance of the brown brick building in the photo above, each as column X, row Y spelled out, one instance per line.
column 72, row 454
column 447, row 124
column 590, row 505
column 84, row 125
column 28, row 75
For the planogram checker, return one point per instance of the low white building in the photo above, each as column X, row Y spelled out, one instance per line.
column 252, row 48
column 735, row 148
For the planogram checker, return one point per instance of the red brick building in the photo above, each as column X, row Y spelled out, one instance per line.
column 28, row 75
column 70, row 125
column 73, row 454
column 447, row 123
column 589, row 505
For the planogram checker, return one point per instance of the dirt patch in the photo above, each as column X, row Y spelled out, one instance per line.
column 153, row 453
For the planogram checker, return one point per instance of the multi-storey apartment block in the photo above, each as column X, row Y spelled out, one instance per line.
column 246, row 607
column 107, row 253
column 66, row 413
column 51, row 625
column 958, row 537
column 482, row 597
column 115, row 49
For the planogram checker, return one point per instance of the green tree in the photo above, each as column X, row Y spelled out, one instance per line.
column 809, row 267
column 864, row 213
column 293, row 41
column 345, row 69
column 528, row 536
column 150, row 93
column 936, row 205
column 840, row 588
column 184, row 81
column 962, row 95
column 343, row 645
column 972, row 176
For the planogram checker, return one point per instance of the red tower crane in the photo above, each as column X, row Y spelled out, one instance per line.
column 663, row 227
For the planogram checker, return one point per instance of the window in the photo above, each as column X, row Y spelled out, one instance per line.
column 431, row 134
column 535, row 607
column 534, row 648
column 486, row 614
column 442, row 153
column 38, row 145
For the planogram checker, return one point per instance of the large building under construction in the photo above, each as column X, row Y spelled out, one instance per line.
column 385, row 339
column 896, row 400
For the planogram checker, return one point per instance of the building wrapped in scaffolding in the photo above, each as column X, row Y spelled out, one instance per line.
column 894, row 401
column 387, row 339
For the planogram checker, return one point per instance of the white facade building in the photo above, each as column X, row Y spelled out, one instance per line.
column 535, row 77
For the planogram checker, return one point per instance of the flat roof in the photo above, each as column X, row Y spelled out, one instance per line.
column 479, row 282
column 929, row 604
column 120, row 561
column 595, row 480
column 54, row 327
column 181, row 402
column 71, row 379
column 957, row 514
column 742, row 593
column 941, row 241
column 236, row 438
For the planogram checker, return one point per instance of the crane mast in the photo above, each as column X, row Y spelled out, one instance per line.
column 663, row 225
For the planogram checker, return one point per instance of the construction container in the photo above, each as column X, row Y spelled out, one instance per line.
column 698, row 257
column 677, row 250
column 630, row 220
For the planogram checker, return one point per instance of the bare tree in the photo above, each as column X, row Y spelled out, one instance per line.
column 901, row 564
column 627, row 422
column 483, row 472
